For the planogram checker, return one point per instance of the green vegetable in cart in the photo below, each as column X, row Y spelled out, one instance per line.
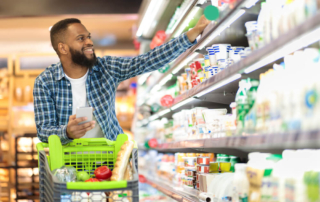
column 82, row 176
column 103, row 173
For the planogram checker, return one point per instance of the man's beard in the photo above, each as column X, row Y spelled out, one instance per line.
column 81, row 59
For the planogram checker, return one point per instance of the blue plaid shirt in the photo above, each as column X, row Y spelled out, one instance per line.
column 53, row 96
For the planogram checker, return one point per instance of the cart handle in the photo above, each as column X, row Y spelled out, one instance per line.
column 97, row 185
column 41, row 145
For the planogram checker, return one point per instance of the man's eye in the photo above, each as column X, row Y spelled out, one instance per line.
column 89, row 37
column 81, row 38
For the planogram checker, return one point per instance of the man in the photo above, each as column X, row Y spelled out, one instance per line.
column 80, row 79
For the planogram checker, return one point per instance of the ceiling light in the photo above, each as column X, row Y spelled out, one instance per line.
column 174, row 107
column 251, row 3
column 153, row 117
column 149, row 16
column 161, row 113
column 165, row 79
column 155, row 88
column 143, row 78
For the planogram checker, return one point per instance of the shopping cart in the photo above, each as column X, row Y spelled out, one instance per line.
column 85, row 155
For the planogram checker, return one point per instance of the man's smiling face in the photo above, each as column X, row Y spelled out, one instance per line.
column 80, row 45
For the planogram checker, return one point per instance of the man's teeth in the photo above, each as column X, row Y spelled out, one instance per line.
column 88, row 50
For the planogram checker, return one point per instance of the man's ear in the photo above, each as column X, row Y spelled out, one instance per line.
column 63, row 48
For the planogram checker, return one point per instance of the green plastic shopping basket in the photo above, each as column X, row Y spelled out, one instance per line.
column 84, row 154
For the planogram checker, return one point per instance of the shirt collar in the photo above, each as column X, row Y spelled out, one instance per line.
column 59, row 73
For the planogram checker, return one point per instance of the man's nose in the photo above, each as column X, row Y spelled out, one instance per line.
column 89, row 42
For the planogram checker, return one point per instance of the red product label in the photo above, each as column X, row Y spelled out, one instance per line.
column 153, row 142
column 158, row 39
column 194, row 83
column 198, row 65
column 203, row 169
column 166, row 101
column 203, row 160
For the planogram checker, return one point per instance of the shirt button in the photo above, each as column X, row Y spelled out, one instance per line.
column 68, row 84
column 69, row 105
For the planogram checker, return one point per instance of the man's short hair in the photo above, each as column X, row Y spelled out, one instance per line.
column 58, row 30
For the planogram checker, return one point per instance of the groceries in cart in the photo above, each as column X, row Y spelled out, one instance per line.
column 121, row 171
column 65, row 174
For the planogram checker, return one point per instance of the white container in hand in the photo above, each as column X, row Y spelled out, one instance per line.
column 212, row 56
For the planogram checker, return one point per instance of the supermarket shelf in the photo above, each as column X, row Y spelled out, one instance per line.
column 242, row 145
column 29, row 183
column 177, row 193
column 5, row 166
column 226, row 15
column 221, row 88
column 28, row 198
column 207, row 33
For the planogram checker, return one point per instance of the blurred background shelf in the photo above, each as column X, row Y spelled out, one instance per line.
column 177, row 193
column 242, row 145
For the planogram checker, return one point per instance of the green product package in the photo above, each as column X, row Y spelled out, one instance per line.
column 242, row 103
column 233, row 161
column 252, row 91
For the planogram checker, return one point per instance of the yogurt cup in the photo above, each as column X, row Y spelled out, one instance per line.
column 203, row 160
column 225, row 166
column 191, row 172
column 235, row 55
column 212, row 56
column 189, row 181
column 190, row 162
column 221, row 51
column 215, row 69
column 214, row 167
column 203, row 168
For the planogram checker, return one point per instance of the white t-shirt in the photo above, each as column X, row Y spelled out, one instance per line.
column 79, row 99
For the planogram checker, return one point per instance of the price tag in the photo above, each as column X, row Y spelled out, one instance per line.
column 166, row 101
column 313, row 135
column 243, row 141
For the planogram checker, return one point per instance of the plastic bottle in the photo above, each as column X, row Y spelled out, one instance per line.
column 260, row 103
column 280, row 173
column 252, row 91
column 233, row 160
column 262, row 23
column 240, row 183
column 225, row 194
column 242, row 104
column 266, row 184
